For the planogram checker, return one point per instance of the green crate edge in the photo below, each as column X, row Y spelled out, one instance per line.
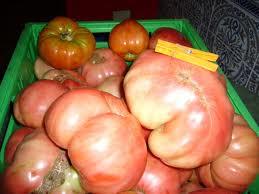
column 7, row 83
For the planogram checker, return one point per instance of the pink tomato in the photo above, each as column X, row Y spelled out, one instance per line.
column 113, row 85
column 34, row 100
column 186, row 107
column 109, row 152
column 104, row 63
column 13, row 142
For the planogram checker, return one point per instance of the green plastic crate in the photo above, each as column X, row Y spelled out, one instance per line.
column 20, row 72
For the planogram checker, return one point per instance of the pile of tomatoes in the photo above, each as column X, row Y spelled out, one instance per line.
column 93, row 124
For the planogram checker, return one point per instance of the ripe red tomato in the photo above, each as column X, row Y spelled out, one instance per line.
column 186, row 106
column 103, row 64
column 168, row 34
column 33, row 101
column 128, row 39
column 237, row 168
column 13, row 142
column 64, row 45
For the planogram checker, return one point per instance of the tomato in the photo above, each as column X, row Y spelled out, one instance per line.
column 33, row 160
column 13, row 142
column 185, row 106
column 104, row 141
column 113, row 85
column 109, row 152
column 73, row 109
column 63, row 44
column 33, row 101
column 168, row 34
column 128, row 39
column 159, row 178
column 34, row 169
column 238, row 166
column 103, row 64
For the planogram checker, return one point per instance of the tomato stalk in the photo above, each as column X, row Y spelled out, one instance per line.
column 66, row 36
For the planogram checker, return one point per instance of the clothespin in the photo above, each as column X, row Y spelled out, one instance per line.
column 191, row 55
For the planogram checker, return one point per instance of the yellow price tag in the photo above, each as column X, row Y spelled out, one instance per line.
column 190, row 55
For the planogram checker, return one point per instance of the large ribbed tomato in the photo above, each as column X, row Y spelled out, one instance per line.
column 105, row 142
column 63, row 44
column 128, row 39
column 186, row 106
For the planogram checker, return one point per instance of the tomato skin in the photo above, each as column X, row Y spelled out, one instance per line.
column 103, row 64
column 33, row 101
column 109, row 152
column 113, row 85
column 186, row 107
column 65, row 45
column 73, row 109
column 13, row 142
column 128, row 39
column 238, row 166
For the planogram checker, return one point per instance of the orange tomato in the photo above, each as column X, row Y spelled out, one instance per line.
column 65, row 45
column 128, row 39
